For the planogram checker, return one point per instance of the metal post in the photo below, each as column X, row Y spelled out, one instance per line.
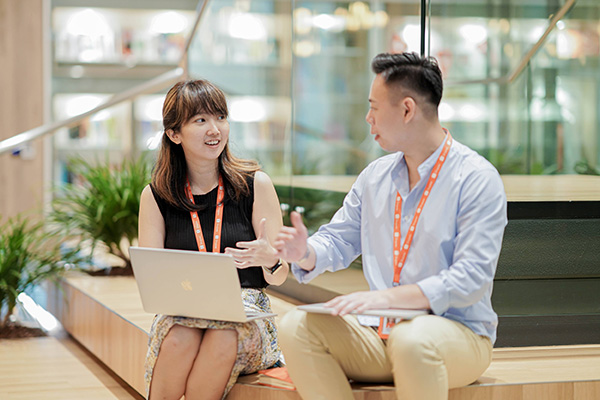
column 423, row 19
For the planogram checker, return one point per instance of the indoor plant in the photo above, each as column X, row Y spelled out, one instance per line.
column 28, row 255
column 104, row 208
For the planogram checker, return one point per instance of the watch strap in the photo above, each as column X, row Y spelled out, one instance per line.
column 274, row 268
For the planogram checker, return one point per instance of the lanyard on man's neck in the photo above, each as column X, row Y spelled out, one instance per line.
column 401, row 250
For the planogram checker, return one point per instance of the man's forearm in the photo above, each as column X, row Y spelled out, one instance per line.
column 407, row 296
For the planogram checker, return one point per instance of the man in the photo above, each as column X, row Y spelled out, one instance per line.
column 450, row 202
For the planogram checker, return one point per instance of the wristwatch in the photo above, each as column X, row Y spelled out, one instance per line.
column 274, row 268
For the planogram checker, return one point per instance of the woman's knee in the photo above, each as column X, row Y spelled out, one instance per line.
column 181, row 340
column 223, row 342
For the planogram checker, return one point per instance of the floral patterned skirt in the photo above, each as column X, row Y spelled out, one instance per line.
column 257, row 340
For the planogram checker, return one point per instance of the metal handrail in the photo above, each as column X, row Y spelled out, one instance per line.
column 511, row 76
column 160, row 82
column 199, row 11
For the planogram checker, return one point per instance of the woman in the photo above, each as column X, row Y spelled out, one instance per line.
column 198, row 188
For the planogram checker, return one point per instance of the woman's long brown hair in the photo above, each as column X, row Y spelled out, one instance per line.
column 185, row 100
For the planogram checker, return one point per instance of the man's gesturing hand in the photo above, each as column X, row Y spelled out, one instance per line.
column 290, row 243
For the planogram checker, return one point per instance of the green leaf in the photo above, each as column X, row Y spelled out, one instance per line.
column 105, row 208
column 29, row 253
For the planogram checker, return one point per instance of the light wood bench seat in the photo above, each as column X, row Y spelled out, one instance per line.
column 549, row 373
column 106, row 316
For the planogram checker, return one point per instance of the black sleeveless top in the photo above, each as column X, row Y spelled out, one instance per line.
column 237, row 227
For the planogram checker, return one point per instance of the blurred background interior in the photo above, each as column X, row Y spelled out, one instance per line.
column 522, row 88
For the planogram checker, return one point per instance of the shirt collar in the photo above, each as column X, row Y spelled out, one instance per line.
column 400, row 171
column 427, row 165
column 400, row 174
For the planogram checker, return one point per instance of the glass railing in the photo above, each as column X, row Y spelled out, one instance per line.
column 244, row 47
column 521, row 86
column 526, row 122
column 97, row 51
column 539, row 121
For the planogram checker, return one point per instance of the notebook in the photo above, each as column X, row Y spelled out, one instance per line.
column 402, row 313
column 190, row 284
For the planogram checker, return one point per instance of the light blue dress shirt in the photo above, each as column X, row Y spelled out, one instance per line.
column 457, row 241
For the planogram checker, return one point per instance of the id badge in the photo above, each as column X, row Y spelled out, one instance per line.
column 385, row 326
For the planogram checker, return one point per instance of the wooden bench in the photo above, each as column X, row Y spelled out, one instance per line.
column 105, row 315
column 548, row 373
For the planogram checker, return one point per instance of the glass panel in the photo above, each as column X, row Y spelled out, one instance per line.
column 541, row 121
column 243, row 47
column 99, row 51
column 102, row 136
column 313, row 131
column 119, row 36
column 333, row 44
column 484, row 39
column 565, row 77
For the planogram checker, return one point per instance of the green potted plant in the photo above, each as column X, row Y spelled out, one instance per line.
column 103, row 209
column 29, row 254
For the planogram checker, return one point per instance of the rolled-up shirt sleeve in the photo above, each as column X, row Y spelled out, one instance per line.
column 321, row 266
column 481, row 221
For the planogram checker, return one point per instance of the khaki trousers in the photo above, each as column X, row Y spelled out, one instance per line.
column 424, row 357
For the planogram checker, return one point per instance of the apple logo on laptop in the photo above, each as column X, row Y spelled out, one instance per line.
column 186, row 285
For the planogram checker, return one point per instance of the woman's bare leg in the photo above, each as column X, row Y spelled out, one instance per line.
column 212, row 368
column 174, row 363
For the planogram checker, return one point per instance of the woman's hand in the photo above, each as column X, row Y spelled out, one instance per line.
column 258, row 252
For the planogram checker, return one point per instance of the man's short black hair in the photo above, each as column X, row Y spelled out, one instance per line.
column 414, row 73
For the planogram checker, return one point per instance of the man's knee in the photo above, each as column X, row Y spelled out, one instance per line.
column 409, row 342
column 298, row 326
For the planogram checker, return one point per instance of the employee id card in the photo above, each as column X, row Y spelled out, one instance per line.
column 385, row 326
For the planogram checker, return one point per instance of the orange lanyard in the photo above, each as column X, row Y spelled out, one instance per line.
column 401, row 251
column 216, row 247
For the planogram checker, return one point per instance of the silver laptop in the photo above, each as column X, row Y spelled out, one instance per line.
column 379, row 312
column 189, row 283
